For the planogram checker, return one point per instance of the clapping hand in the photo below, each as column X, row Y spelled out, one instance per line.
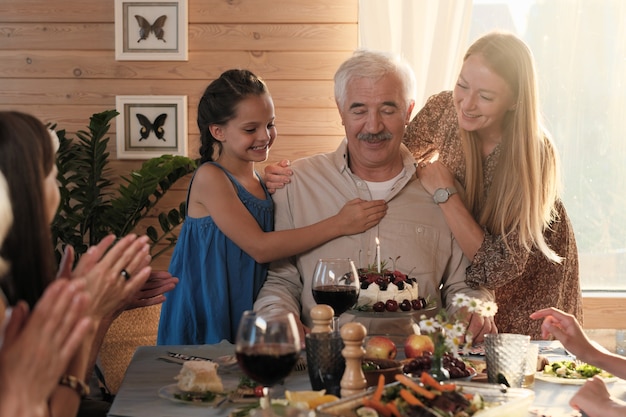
column 114, row 273
column 39, row 345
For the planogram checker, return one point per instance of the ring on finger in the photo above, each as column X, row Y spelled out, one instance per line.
column 125, row 274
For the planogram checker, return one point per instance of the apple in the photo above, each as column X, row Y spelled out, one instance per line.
column 380, row 347
column 416, row 344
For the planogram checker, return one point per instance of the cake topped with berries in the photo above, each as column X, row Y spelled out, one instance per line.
column 388, row 290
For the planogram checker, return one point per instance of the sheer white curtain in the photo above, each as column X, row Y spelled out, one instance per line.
column 431, row 34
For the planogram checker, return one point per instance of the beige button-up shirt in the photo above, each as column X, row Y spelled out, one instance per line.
column 413, row 231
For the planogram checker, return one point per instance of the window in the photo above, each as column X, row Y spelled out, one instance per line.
column 580, row 50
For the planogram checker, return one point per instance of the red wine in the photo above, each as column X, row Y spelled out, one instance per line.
column 339, row 297
column 267, row 364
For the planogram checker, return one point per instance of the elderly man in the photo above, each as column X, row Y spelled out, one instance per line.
column 374, row 94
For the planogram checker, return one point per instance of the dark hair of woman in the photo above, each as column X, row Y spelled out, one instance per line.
column 27, row 156
column 219, row 103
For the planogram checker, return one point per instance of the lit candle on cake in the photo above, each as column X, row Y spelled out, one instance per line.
column 378, row 254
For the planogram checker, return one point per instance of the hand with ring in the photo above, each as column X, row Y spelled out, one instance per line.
column 103, row 265
column 124, row 273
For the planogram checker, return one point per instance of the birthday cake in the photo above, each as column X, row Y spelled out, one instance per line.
column 388, row 290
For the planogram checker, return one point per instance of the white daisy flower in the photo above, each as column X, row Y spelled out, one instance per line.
column 460, row 300
column 489, row 309
column 429, row 325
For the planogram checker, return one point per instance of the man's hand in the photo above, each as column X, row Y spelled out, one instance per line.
column 479, row 326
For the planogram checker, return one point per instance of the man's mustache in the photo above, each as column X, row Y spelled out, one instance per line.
column 374, row 137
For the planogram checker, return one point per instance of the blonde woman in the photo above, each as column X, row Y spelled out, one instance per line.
column 488, row 136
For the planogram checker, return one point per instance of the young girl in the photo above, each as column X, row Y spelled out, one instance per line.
column 226, row 241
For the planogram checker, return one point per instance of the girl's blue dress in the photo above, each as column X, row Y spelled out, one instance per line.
column 218, row 280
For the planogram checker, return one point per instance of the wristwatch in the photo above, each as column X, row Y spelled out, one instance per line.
column 443, row 194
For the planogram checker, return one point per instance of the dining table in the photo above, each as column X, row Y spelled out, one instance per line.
column 152, row 370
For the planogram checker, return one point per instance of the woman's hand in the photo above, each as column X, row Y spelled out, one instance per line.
column 276, row 176
column 101, row 267
column 594, row 399
column 152, row 292
column 434, row 175
column 38, row 346
column 566, row 329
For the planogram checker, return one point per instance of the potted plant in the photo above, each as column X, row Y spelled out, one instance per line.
column 93, row 206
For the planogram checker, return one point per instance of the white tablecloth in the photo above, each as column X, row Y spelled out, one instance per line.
column 146, row 374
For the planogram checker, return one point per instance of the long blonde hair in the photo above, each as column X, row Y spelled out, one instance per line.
column 526, row 182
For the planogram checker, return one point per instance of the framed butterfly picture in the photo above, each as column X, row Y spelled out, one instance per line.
column 151, row 30
column 151, row 126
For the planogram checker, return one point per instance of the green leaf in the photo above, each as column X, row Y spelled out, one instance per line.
column 93, row 205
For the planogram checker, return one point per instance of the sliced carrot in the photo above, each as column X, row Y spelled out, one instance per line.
column 409, row 383
column 468, row 395
column 429, row 381
column 394, row 409
column 447, row 387
column 378, row 394
column 380, row 408
column 410, row 398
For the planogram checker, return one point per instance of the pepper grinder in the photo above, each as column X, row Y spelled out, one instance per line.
column 323, row 351
column 322, row 317
column 353, row 381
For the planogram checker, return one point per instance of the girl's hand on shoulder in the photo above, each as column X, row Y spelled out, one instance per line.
column 277, row 175
column 357, row 215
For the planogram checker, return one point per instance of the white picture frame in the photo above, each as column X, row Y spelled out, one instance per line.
column 151, row 30
column 151, row 126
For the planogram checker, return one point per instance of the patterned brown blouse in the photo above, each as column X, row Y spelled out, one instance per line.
column 523, row 282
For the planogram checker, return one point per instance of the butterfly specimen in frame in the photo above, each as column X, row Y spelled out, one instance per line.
column 156, row 127
column 145, row 27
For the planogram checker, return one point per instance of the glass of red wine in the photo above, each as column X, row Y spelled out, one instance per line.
column 336, row 283
column 267, row 348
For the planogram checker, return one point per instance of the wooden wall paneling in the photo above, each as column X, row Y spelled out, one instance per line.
column 57, row 61
column 221, row 11
column 285, row 93
column 290, row 65
column 202, row 37
column 604, row 312
column 313, row 121
column 57, row 36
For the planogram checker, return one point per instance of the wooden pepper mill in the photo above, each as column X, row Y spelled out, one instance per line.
column 322, row 317
column 324, row 355
column 353, row 381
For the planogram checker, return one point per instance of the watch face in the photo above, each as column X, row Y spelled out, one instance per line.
column 441, row 195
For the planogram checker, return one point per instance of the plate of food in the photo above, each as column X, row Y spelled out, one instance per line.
column 569, row 372
column 458, row 368
column 408, row 396
column 173, row 393
column 199, row 384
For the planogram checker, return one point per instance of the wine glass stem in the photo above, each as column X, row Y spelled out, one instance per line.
column 335, row 324
column 265, row 401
